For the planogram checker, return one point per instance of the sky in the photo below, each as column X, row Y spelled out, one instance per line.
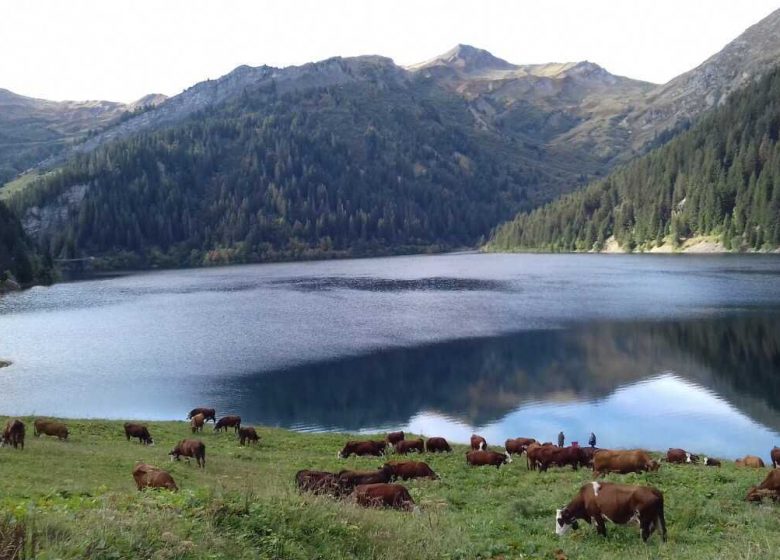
column 122, row 50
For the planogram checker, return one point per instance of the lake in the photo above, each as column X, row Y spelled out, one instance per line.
column 644, row 350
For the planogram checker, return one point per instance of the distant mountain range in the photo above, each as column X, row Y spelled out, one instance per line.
column 340, row 157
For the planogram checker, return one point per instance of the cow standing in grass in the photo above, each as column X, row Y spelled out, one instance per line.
column 50, row 428
column 193, row 448
column 13, row 434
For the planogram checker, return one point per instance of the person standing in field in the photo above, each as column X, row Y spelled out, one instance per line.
column 561, row 439
column 592, row 440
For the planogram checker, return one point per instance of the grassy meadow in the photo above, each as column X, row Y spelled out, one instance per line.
column 77, row 499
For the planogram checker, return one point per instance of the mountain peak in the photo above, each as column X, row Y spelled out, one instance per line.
column 466, row 58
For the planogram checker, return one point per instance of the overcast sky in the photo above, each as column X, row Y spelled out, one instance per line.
column 105, row 49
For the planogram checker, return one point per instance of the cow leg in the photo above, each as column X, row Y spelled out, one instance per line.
column 646, row 528
column 601, row 527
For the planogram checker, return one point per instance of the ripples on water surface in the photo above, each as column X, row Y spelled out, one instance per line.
column 655, row 351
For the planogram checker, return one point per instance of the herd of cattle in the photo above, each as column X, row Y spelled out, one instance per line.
column 595, row 502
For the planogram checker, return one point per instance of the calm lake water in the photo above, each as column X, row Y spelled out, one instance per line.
column 651, row 351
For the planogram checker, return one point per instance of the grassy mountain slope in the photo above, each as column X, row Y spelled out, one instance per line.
column 721, row 178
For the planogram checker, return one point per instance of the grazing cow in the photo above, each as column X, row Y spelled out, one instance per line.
column 680, row 456
column 138, row 431
column 409, row 469
column 619, row 503
column 587, row 454
column 517, row 446
column 384, row 495
column 775, row 455
column 405, row 446
column 147, row 476
column 13, row 434
column 533, row 452
column 770, row 488
column 50, row 428
column 190, row 448
column 710, row 462
column 437, row 445
column 319, row 482
column 480, row 458
column 197, row 422
column 478, row 442
column 361, row 448
column 350, row 479
column 208, row 414
column 622, row 462
column 228, row 422
column 750, row 461
column 247, row 434
column 550, row 455
column 394, row 437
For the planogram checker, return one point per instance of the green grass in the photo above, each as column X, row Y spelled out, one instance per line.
column 78, row 500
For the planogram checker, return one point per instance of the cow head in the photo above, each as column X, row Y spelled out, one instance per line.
column 344, row 453
column 564, row 520
column 508, row 457
column 174, row 454
column 653, row 465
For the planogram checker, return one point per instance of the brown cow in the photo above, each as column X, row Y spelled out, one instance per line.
column 208, row 414
column 775, row 455
column 481, row 458
column 532, row 453
column 394, row 437
column 50, row 428
column 228, row 422
column 360, row 448
column 550, row 455
column 750, row 461
column 622, row 462
column 680, row 456
column 437, row 445
column 516, row 446
column 587, row 454
column 138, row 431
column 147, row 476
column 190, row 448
column 350, row 479
column 478, row 442
column 247, row 434
column 405, row 446
column 319, row 482
column 770, row 488
column 619, row 503
column 384, row 495
column 410, row 469
column 13, row 434
column 197, row 422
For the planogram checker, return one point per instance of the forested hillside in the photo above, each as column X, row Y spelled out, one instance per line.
column 721, row 178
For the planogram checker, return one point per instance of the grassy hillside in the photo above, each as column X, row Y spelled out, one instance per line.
column 78, row 500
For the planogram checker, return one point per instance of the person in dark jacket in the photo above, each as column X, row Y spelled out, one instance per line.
column 592, row 440
column 561, row 439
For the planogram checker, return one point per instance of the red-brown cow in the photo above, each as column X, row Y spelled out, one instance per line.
column 384, row 495
column 547, row 456
column 622, row 462
column 13, row 434
column 50, row 428
column 517, row 446
column 775, row 455
column 408, row 445
column 247, row 434
column 680, row 456
column 350, row 479
column 190, row 448
column 362, row 448
column 208, row 414
column 148, row 476
column 769, row 488
column 533, row 452
column 619, row 503
column 138, row 431
column 228, row 422
column 196, row 422
column 437, row 445
column 478, row 442
column 394, row 437
column 410, row 469
column 750, row 461
column 319, row 482
column 481, row 458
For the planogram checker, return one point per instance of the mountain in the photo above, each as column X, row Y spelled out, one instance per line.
column 32, row 130
column 720, row 178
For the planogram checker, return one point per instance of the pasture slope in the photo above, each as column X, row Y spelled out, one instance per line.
column 77, row 499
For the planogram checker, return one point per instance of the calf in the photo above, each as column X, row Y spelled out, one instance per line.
column 516, row 446
column 619, row 503
column 138, row 431
column 50, row 428
column 247, row 434
column 196, row 423
column 775, row 455
column 190, row 448
column 622, row 462
column 147, row 476
column 208, row 414
column 319, row 482
column 750, row 461
column 405, row 446
column 350, row 479
column 13, row 434
column 481, row 458
column 394, row 437
column 770, row 487
column 437, row 445
column 680, row 456
column 361, row 448
column 410, row 469
column 383, row 495
column 478, row 442
column 228, row 422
